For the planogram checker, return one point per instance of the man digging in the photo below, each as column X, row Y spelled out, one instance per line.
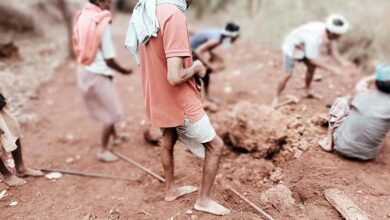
column 304, row 44
column 172, row 100
column 203, row 45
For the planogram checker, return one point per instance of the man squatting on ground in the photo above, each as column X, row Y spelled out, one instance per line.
column 95, row 55
column 172, row 100
column 304, row 44
column 358, row 130
column 10, row 142
column 204, row 43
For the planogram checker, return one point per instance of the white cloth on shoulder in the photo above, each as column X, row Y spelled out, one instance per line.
column 144, row 23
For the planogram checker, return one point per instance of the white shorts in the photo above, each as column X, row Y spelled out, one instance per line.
column 195, row 135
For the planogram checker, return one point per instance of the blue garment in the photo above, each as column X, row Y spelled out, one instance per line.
column 202, row 37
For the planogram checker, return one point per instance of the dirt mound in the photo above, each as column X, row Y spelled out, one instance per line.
column 256, row 176
column 252, row 128
column 279, row 197
column 263, row 131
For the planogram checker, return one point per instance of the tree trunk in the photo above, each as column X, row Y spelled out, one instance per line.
column 69, row 25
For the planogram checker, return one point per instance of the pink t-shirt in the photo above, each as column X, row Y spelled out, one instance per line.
column 167, row 105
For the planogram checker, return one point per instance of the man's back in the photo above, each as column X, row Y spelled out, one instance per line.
column 203, row 36
column 309, row 37
column 362, row 133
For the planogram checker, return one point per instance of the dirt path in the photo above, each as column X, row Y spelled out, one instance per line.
column 63, row 130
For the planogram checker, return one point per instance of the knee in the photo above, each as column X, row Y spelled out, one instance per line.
column 217, row 145
column 286, row 78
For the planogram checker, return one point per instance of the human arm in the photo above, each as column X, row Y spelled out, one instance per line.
column 364, row 84
column 108, row 52
column 201, row 53
column 177, row 74
column 318, row 62
column 335, row 53
column 111, row 62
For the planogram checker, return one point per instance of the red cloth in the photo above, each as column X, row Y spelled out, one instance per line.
column 88, row 28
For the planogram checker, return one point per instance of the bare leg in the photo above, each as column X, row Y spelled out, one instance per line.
column 9, row 178
column 108, row 131
column 308, row 80
column 21, row 169
column 104, row 154
column 281, row 86
column 168, row 143
column 173, row 192
column 210, row 168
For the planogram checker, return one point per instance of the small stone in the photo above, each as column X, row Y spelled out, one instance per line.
column 53, row 175
column 298, row 154
column 279, row 196
column 13, row 203
column 189, row 212
column 114, row 215
column 317, row 77
column 228, row 89
column 70, row 137
column 359, row 192
column 3, row 193
column 277, row 175
column 70, row 160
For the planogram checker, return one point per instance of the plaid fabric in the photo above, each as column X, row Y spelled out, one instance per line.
column 339, row 111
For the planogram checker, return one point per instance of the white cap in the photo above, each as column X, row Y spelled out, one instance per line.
column 335, row 28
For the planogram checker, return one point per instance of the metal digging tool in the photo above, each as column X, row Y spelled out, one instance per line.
column 148, row 171
column 86, row 174
column 258, row 209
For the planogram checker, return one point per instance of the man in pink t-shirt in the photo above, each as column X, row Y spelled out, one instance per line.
column 173, row 102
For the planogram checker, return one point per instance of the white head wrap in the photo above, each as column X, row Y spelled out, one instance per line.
column 333, row 27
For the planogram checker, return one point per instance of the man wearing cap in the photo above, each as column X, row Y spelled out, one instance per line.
column 358, row 130
column 172, row 100
column 205, row 42
column 304, row 44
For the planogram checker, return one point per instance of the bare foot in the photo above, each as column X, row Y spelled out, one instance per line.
column 29, row 172
column 325, row 145
column 210, row 206
column 14, row 181
column 179, row 192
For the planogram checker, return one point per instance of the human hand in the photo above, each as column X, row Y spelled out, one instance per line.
column 217, row 67
column 200, row 68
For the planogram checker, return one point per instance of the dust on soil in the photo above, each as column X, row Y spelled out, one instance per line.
column 63, row 130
